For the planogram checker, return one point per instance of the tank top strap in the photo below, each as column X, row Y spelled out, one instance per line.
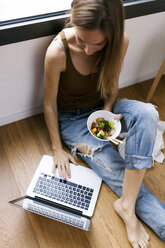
column 65, row 43
column 69, row 63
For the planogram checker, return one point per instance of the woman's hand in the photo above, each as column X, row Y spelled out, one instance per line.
column 117, row 117
column 108, row 108
column 61, row 160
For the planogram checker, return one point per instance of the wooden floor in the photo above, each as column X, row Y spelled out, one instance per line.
column 22, row 145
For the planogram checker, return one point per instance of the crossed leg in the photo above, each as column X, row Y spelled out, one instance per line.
column 115, row 170
column 125, row 206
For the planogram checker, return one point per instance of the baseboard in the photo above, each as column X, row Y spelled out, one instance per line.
column 20, row 115
column 137, row 79
column 37, row 110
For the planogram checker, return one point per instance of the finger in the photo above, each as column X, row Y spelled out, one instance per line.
column 68, row 170
column 71, row 158
column 117, row 117
column 54, row 167
column 59, row 171
column 63, row 174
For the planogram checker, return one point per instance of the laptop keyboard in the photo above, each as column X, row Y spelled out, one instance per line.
column 56, row 215
column 64, row 191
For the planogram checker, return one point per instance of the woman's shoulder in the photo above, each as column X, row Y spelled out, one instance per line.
column 125, row 44
column 125, row 39
column 56, row 47
column 54, row 50
column 55, row 54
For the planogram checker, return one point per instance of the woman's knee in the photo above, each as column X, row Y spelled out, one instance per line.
column 147, row 118
column 145, row 121
column 134, row 111
column 149, row 112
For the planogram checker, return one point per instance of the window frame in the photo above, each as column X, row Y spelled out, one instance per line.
column 32, row 27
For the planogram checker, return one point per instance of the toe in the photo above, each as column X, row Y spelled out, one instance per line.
column 135, row 245
column 143, row 244
column 144, row 234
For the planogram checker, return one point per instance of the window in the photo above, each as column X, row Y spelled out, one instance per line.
column 12, row 10
column 29, row 19
column 133, row 2
column 136, row 1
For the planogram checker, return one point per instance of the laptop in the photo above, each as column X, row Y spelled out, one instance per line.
column 71, row 201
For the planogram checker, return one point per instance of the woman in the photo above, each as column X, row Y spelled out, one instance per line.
column 82, row 68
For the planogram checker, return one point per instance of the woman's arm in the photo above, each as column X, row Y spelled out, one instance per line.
column 55, row 61
column 113, row 95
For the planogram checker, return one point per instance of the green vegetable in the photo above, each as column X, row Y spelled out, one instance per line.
column 111, row 124
column 101, row 124
column 104, row 124
column 101, row 134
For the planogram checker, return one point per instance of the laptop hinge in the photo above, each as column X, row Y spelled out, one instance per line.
column 54, row 204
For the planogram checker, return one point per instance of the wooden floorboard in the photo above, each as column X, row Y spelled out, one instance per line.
column 22, row 145
column 15, row 227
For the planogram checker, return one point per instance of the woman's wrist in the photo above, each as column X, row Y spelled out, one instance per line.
column 56, row 150
column 107, row 107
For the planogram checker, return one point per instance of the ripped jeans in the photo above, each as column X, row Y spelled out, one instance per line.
column 139, row 121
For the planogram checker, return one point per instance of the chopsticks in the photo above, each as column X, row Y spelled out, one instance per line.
column 115, row 141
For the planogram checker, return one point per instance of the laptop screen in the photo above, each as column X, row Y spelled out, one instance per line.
column 53, row 212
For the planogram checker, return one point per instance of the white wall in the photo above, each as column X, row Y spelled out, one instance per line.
column 21, row 79
column 21, row 66
column 146, row 48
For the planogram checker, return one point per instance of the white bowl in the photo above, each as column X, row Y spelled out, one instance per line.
column 107, row 115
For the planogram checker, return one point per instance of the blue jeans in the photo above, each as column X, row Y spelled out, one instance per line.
column 139, row 121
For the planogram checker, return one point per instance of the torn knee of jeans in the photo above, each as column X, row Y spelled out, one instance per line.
column 83, row 148
column 86, row 151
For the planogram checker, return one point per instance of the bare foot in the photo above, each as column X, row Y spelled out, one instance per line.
column 137, row 235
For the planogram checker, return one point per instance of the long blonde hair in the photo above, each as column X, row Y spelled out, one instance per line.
column 108, row 16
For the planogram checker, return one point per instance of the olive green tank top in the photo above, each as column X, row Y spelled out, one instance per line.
column 76, row 91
